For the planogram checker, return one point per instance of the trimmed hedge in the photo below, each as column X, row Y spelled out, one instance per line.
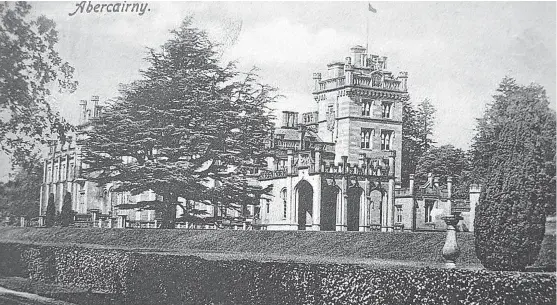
column 158, row 278
column 414, row 248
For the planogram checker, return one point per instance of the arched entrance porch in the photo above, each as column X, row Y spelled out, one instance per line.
column 353, row 208
column 304, row 195
column 329, row 208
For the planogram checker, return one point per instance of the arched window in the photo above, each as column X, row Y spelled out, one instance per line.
column 283, row 197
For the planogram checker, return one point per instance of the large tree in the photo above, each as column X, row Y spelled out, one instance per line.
column 30, row 66
column 21, row 194
column 191, row 128
column 514, row 150
column 417, row 132
column 445, row 161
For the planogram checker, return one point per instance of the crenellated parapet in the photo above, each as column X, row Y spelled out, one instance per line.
column 361, row 70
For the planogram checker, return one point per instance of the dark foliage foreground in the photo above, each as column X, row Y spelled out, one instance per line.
column 155, row 278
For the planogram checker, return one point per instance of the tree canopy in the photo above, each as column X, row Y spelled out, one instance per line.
column 30, row 67
column 417, row 131
column 21, row 194
column 190, row 128
column 445, row 161
column 514, row 150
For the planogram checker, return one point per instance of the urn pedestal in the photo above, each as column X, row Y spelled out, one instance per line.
column 451, row 251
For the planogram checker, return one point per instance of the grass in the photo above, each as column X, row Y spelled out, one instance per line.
column 364, row 248
column 373, row 249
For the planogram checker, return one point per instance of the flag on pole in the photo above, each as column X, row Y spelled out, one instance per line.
column 371, row 9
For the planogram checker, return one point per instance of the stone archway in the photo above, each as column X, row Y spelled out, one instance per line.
column 353, row 209
column 329, row 208
column 304, row 193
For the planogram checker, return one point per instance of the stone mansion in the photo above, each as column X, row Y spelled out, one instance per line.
column 337, row 168
column 340, row 166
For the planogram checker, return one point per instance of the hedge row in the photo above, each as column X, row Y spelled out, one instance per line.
column 156, row 278
column 415, row 247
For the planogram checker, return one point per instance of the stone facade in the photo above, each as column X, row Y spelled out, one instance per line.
column 339, row 168
column 421, row 208
column 63, row 166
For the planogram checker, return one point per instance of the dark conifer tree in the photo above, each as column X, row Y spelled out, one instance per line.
column 67, row 214
column 50, row 217
column 514, row 150
column 189, row 125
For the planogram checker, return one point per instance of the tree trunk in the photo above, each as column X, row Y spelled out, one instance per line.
column 169, row 213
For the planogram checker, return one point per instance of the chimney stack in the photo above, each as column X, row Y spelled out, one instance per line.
column 83, row 112
column 96, row 107
column 289, row 119
column 449, row 186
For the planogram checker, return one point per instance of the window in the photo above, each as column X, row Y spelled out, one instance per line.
column 283, row 197
column 268, row 206
column 56, row 173
column 49, row 174
column 366, row 137
column 386, row 106
column 428, row 210
column 366, row 107
column 399, row 214
column 71, row 174
column 386, row 139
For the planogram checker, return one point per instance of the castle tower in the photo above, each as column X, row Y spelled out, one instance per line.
column 360, row 108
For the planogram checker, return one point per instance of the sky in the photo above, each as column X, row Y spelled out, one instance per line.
column 456, row 53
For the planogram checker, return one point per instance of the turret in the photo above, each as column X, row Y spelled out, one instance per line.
column 358, row 56
column 316, row 79
column 403, row 78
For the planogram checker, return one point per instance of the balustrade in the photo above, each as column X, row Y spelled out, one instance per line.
column 364, row 81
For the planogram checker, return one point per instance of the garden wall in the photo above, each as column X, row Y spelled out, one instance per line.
column 158, row 278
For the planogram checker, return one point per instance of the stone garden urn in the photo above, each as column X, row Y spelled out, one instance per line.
column 451, row 251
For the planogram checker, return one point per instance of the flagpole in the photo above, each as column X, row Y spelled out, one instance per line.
column 367, row 33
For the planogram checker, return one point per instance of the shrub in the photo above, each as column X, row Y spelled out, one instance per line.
column 515, row 151
column 156, row 278
column 67, row 215
column 50, row 211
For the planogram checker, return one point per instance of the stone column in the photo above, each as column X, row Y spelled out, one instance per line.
column 342, row 199
column 22, row 221
column 316, row 221
column 451, row 251
column 290, row 160
column 363, row 211
column 391, row 195
column 450, row 187
column 317, row 162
